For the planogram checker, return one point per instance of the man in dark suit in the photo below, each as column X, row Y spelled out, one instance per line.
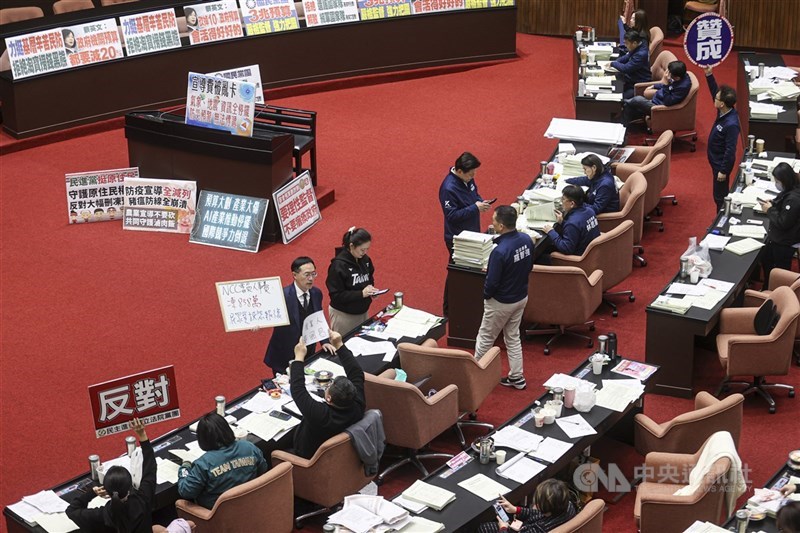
column 302, row 299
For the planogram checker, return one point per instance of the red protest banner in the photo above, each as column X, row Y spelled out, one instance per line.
column 151, row 396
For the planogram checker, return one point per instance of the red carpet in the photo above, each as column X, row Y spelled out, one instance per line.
column 83, row 304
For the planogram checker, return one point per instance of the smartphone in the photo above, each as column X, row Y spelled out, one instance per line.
column 268, row 385
column 378, row 293
column 761, row 200
column 500, row 512
column 280, row 415
column 493, row 200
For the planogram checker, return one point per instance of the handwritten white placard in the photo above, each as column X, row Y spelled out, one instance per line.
column 252, row 303
column 315, row 328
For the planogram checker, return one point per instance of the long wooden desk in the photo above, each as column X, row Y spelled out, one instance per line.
column 671, row 337
column 468, row 510
column 768, row 525
column 167, row 493
column 588, row 107
column 778, row 134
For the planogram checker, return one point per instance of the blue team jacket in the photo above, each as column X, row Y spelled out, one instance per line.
column 574, row 234
column 723, row 137
column 672, row 93
column 602, row 196
column 635, row 66
column 458, row 205
column 509, row 265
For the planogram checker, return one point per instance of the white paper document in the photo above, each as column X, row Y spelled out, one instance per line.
column 187, row 455
column 414, row 507
column 315, row 328
column 265, row 426
column 617, row 396
column 166, row 471
column 323, row 364
column 748, row 230
column 25, row 511
column 516, row 439
column 417, row 524
column 522, row 470
column 46, row 501
column 744, row 246
column 575, row 426
column 56, row 523
column 687, row 288
column 355, row 518
column 551, row 450
column 717, row 284
column 361, row 346
column 565, row 380
column 715, row 242
column 261, row 402
column 430, row 495
column 484, row 487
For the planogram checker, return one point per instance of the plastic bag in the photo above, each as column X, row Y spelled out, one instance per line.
column 584, row 398
column 699, row 258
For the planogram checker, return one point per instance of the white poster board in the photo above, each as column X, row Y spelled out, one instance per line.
column 159, row 205
column 213, row 21
column 252, row 303
column 297, row 207
column 249, row 74
column 92, row 42
column 36, row 53
column 97, row 195
column 149, row 32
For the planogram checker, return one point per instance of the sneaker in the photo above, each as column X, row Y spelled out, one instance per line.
column 517, row 383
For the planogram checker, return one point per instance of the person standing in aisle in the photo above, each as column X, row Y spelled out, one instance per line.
column 723, row 137
column 350, row 281
column 461, row 203
column 505, row 293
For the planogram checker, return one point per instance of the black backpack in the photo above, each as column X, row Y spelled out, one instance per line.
column 766, row 318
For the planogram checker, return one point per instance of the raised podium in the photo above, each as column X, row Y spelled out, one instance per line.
column 162, row 146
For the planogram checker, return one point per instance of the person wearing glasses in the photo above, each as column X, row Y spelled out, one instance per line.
column 302, row 299
column 723, row 137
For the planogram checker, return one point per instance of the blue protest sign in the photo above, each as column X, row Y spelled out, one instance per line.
column 708, row 40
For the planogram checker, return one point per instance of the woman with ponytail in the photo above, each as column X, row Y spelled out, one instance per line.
column 350, row 281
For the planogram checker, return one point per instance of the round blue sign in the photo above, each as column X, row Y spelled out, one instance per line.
column 708, row 40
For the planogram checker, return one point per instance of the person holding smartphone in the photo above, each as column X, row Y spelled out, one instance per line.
column 783, row 212
column 227, row 463
column 552, row 507
column 351, row 276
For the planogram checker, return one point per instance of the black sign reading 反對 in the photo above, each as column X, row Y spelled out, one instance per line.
column 229, row 221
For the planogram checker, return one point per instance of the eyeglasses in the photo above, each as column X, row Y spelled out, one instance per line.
column 308, row 275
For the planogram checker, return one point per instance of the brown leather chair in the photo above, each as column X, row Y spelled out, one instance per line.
column 742, row 352
column 658, row 66
column 655, row 173
column 688, row 432
column 610, row 252
column 631, row 200
column 267, row 499
column 410, row 419
column 113, row 2
column 680, row 118
column 778, row 277
column 658, row 510
column 642, row 155
column 589, row 520
column 475, row 379
column 18, row 14
column 578, row 297
column 693, row 8
column 334, row 472
column 68, row 6
column 656, row 42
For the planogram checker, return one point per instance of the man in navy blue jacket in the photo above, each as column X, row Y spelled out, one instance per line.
column 673, row 89
column 461, row 204
column 723, row 137
column 302, row 299
column 635, row 65
column 505, row 292
column 576, row 227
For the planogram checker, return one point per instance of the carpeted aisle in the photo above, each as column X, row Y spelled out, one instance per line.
column 84, row 304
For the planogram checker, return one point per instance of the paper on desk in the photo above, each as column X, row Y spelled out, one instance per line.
column 609, row 97
column 705, row 527
column 430, row 495
column 292, row 407
column 707, row 301
column 25, row 511
column 522, row 470
column 166, row 471
column 715, row 242
column 56, row 523
column 575, row 426
column 686, row 288
column 97, row 502
column 484, row 487
column 744, row 246
column 418, row 524
column 617, row 397
column 414, row 507
column 355, row 518
column 361, row 346
column 315, row 328
column 516, row 439
column 261, row 402
column 565, row 380
column 716, row 284
column 748, row 230
column 324, row 364
column 675, row 305
column 551, row 450
column 265, row 426
column 187, row 455
column 46, row 501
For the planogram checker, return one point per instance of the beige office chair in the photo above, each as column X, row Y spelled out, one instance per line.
column 680, row 118
column 631, row 200
column 411, row 420
column 18, row 14
column 658, row 66
column 267, row 499
column 447, row 366
column 655, row 173
column 643, row 155
column 656, row 42
column 692, row 9
column 68, row 6
column 578, row 297
column 589, row 520
column 742, row 352
column 610, row 253
column 778, row 277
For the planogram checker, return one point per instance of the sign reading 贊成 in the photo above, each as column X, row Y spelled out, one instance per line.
column 708, row 40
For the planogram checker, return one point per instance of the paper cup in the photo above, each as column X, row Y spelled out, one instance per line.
column 549, row 416
column 694, row 276
column 538, row 419
column 556, row 406
column 500, row 456
column 597, row 367
column 759, row 145
column 569, row 397
column 579, row 35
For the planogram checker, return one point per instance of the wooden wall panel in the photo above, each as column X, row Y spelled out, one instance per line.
column 556, row 17
column 767, row 24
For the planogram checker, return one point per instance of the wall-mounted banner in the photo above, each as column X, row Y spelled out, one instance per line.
column 98, row 195
column 220, row 104
column 159, row 205
column 93, row 42
column 383, row 9
column 214, row 21
column 229, row 221
column 249, row 74
column 252, row 303
column 268, row 16
column 431, row 6
column 708, row 40
column 36, row 53
column 150, row 32
column 297, row 207
column 324, row 12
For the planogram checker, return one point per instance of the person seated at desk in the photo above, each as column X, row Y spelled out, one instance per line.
column 783, row 212
column 551, row 508
column 344, row 400
column 228, row 462
column 788, row 518
column 637, row 22
column 673, row 89
column 635, row 65
column 602, row 195
column 576, row 226
column 130, row 509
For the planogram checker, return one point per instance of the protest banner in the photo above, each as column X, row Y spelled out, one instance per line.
column 97, row 195
column 229, row 221
column 708, row 40
column 151, row 396
column 482, row 4
column 297, row 207
column 36, row 53
column 315, row 328
column 214, row 21
column 159, row 205
column 252, row 303
column 150, row 32
column 432, row 6
column 220, row 104
column 268, row 16
column 249, row 74
column 93, row 42
column 324, row 12
column 383, row 9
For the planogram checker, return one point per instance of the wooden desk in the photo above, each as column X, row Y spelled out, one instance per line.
column 768, row 525
column 587, row 107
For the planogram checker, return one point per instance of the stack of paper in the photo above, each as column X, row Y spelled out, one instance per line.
column 472, row 249
column 748, row 230
column 780, row 73
column 767, row 499
column 715, row 242
column 516, row 439
column 573, row 167
column 46, row 509
column 675, row 305
column 601, row 52
column 484, row 487
column 609, row 97
column 542, row 194
column 551, row 450
column 430, row 495
column 616, row 394
column 565, row 380
column 744, row 246
column 361, row 513
column 266, row 426
column 600, row 80
column 764, row 111
column 417, row 524
column 414, row 507
column 261, row 402
column 784, row 92
column 575, row 426
column 540, row 215
column 410, row 322
column 521, row 470
column 585, row 130
column 191, row 455
column 166, row 471
column 361, row 346
column 705, row 527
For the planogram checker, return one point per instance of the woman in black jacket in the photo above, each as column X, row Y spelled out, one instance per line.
column 784, row 214
column 350, row 279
